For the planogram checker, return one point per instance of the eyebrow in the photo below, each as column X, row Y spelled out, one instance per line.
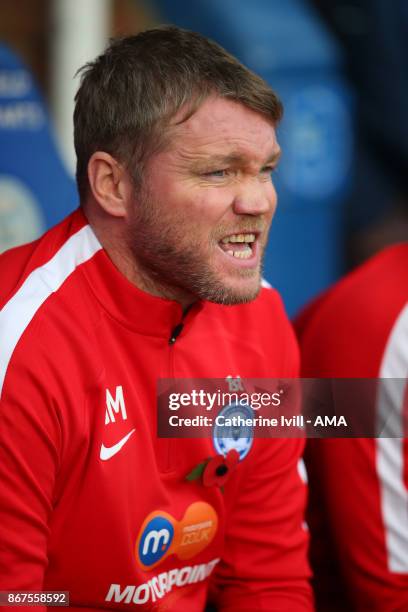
column 233, row 158
column 275, row 157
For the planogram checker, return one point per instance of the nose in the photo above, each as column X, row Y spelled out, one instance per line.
column 255, row 200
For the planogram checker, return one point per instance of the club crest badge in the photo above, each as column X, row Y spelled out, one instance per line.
column 231, row 430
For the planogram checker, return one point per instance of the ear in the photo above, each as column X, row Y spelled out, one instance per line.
column 109, row 183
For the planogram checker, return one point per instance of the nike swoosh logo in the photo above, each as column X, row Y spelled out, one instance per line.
column 107, row 452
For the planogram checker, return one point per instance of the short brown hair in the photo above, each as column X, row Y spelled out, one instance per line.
column 129, row 94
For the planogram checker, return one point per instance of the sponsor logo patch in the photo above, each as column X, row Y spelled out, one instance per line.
column 158, row 586
column 162, row 535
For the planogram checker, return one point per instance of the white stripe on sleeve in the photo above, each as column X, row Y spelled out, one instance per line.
column 17, row 313
column 390, row 450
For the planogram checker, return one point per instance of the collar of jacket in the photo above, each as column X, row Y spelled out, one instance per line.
column 129, row 305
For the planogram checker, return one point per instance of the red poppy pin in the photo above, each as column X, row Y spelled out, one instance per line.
column 215, row 471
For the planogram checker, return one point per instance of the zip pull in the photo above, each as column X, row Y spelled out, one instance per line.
column 175, row 333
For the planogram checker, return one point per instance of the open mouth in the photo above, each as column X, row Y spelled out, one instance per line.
column 240, row 246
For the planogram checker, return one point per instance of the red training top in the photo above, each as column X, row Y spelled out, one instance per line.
column 93, row 502
column 359, row 487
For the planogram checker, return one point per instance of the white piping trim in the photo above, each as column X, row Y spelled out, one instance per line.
column 390, row 450
column 264, row 283
column 17, row 313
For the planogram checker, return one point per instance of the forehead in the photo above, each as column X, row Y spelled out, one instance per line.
column 224, row 127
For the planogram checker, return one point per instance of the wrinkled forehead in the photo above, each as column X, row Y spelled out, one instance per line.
column 222, row 127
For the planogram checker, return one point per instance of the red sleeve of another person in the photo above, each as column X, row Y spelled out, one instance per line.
column 359, row 500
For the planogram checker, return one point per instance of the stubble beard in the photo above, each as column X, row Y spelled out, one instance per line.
column 170, row 264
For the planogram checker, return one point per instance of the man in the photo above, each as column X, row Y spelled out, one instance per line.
column 157, row 275
column 359, row 487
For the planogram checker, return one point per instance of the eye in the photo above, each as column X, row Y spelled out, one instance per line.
column 268, row 171
column 216, row 173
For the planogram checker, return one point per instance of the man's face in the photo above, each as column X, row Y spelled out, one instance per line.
column 199, row 227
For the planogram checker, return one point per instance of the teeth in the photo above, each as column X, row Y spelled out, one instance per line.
column 239, row 238
column 244, row 254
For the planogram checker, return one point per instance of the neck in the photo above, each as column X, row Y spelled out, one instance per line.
column 110, row 233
